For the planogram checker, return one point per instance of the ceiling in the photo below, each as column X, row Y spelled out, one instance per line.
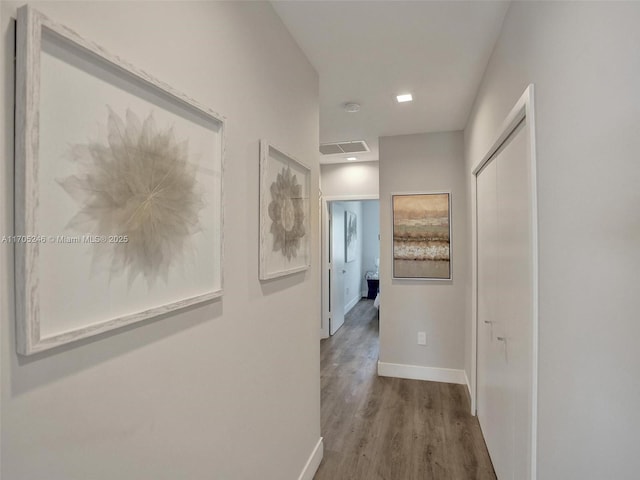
column 370, row 51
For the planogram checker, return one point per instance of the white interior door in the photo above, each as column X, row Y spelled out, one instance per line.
column 515, row 274
column 337, row 270
column 505, row 306
column 325, row 255
column 492, row 400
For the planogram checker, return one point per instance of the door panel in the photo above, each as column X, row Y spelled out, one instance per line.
column 505, row 300
column 491, row 369
column 516, row 301
column 337, row 268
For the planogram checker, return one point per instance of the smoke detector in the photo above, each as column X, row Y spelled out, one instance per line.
column 352, row 107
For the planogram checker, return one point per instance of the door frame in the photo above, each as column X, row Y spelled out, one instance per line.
column 324, row 256
column 524, row 108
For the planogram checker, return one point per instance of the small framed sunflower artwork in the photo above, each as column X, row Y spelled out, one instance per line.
column 284, row 213
column 118, row 191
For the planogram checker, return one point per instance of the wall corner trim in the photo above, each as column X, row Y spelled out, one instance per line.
column 415, row 372
column 311, row 467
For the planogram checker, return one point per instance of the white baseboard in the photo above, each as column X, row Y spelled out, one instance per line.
column 351, row 304
column 313, row 463
column 467, row 383
column 415, row 372
column 471, row 399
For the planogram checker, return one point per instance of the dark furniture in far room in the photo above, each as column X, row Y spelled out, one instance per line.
column 373, row 284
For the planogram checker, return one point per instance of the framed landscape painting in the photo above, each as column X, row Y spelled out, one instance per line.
column 118, row 191
column 284, row 213
column 422, row 236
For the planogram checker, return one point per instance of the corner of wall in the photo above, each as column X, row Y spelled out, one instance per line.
column 313, row 463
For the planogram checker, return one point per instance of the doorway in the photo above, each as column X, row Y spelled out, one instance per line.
column 350, row 256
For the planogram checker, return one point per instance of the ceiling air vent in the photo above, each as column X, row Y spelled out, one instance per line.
column 339, row 148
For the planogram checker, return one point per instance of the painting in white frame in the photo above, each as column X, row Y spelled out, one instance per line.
column 284, row 213
column 118, row 191
column 350, row 236
column 421, row 236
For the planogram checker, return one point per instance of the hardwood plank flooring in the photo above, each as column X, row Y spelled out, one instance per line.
column 379, row 428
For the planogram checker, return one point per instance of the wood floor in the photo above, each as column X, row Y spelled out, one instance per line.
column 378, row 428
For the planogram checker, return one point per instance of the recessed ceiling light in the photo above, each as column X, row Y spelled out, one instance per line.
column 351, row 159
column 405, row 97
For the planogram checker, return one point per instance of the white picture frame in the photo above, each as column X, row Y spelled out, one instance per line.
column 285, row 212
column 129, row 138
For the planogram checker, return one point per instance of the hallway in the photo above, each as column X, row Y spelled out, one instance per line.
column 379, row 428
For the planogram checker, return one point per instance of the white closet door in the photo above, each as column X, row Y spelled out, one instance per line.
column 505, row 307
column 492, row 400
column 516, row 298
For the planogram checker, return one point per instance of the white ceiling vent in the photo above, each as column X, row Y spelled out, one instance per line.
column 339, row 148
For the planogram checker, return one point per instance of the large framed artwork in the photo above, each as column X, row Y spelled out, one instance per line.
column 350, row 236
column 118, row 191
column 284, row 213
column 422, row 236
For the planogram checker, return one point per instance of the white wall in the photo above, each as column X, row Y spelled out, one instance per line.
column 356, row 179
column 5, row 255
column 216, row 391
column 423, row 163
column 370, row 238
column 353, row 270
column 583, row 59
